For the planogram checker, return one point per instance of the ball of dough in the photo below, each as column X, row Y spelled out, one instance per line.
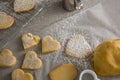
column 107, row 58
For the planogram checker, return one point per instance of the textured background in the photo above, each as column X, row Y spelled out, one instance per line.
column 97, row 22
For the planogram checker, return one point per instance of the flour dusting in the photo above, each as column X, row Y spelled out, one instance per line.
column 78, row 47
column 62, row 33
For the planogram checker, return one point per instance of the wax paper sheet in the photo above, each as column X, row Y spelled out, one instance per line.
column 97, row 22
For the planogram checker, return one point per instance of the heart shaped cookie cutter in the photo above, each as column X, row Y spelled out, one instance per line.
column 89, row 72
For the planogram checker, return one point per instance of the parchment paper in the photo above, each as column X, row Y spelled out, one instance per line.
column 20, row 19
column 97, row 22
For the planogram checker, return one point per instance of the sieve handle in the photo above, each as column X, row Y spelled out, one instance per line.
column 89, row 72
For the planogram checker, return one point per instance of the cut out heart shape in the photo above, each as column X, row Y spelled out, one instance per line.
column 19, row 74
column 29, row 40
column 107, row 58
column 31, row 61
column 78, row 47
column 50, row 45
column 23, row 5
column 7, row 59
column 6, row 21
column 64, row 72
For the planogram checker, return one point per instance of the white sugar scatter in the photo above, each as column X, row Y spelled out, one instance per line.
column 62, row 31
column 78, row 47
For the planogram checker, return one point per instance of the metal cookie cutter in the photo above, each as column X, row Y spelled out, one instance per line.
column 89, row 72
column 72, row 5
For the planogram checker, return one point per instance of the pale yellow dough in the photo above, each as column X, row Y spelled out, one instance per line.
column 31, row 61
column 19, row 74
column 107, row 58
column 6, row 21
column 50, row 45
column 7, row 59
column 29, row 40
column 64, row 72
column 23, row 5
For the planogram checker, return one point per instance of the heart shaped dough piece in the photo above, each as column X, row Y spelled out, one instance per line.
column 107, row 58
column 6, row 21
column 64, row 72
column 23, row 5
column 19, row 74
column 50, row 45
column 31, row 61
column 78, row 47
column 29, row 40
column 7, row 59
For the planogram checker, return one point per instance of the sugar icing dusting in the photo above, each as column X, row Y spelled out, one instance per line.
column 78, row 47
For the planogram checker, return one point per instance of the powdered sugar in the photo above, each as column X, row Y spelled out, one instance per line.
column 78, row 47
column 62, row 33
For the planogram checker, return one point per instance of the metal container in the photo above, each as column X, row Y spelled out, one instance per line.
column 71, row 5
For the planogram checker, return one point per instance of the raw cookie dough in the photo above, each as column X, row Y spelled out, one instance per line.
column 31, row 61
column 23, row 5
column 50, row 45
column 107, row 58
column 7, row 59
column 6, row 21
column 64, row 72
column 78, row 47
column 29, row 40
column 19, row 74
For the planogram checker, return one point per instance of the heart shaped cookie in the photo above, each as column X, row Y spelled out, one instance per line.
column 19, row 74
column 23, row 5
column 107, row 58
column 50, row 45
column 7, row 59
column 29, row 40
column 6, row 21
column 64, row 72
column 31, row 61
column 78, row 47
